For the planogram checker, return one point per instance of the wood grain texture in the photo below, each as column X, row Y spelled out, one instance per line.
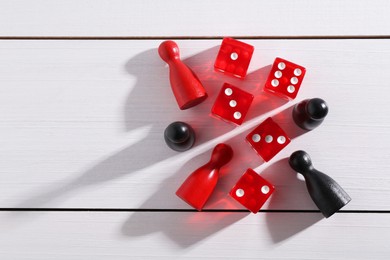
column 81, row 123
column 81, row 126
column 193, row 18
column 193, row 236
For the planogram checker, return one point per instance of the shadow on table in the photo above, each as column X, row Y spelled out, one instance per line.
column 290, row 193
column 283, row 225
column 184, row 228
column 152, row 94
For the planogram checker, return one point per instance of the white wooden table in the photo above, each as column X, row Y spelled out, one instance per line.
column 84, row 100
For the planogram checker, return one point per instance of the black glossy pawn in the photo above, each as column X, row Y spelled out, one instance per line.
column 310, row 113
column 326, row 193
column 179, row 136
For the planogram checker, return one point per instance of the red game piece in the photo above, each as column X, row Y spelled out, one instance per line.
column 234, row 57
column 252, row 191
column 198, row 187
column 285, row 78
column 268, row 139
column 186, row 86
column 232, row 104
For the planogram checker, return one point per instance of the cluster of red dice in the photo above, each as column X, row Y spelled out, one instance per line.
column 232, row 105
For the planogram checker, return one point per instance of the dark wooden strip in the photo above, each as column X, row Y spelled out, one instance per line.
column 181, row 210
column 328, row 37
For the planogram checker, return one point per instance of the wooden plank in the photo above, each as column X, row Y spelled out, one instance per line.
column 69, row 235
column 193, row 18
column 81, row 123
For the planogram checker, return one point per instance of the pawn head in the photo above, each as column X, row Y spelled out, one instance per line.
column 179, row 136
column 221, row 155
column 317, row 108
column 300, row 161
column 177, row 132
column 168, row 50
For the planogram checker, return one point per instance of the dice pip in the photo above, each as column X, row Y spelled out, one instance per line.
column 268, row 139
column 234, row 57
column 232, row 104
column 252, row 191
column 285, row 79
column 186, row 87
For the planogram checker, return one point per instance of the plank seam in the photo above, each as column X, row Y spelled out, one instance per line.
column 182, row 210
column 323, row 37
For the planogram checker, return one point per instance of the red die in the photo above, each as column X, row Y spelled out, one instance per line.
column 285, row 78
column 252, row 191
column 234, row 57
column 268, row 139
column 232, row 104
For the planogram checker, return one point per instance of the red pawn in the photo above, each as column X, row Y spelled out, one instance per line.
column 198, row 187
column 186, row 86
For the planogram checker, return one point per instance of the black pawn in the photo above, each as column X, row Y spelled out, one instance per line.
column 309, row 113
column 179, row 136
column 324, row 191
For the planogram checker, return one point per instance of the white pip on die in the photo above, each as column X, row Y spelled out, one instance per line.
column 232, row 104
column 285, row 78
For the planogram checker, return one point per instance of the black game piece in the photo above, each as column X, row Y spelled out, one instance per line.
column 309, row 113
column 179, row 136
column 325, row 192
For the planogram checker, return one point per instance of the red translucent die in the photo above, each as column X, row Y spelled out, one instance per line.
column 252, row 191
column 234, row 57
column 232, row 104
column 268, row 139
column 285, row 78
column 197, row 188
column 186, row 87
